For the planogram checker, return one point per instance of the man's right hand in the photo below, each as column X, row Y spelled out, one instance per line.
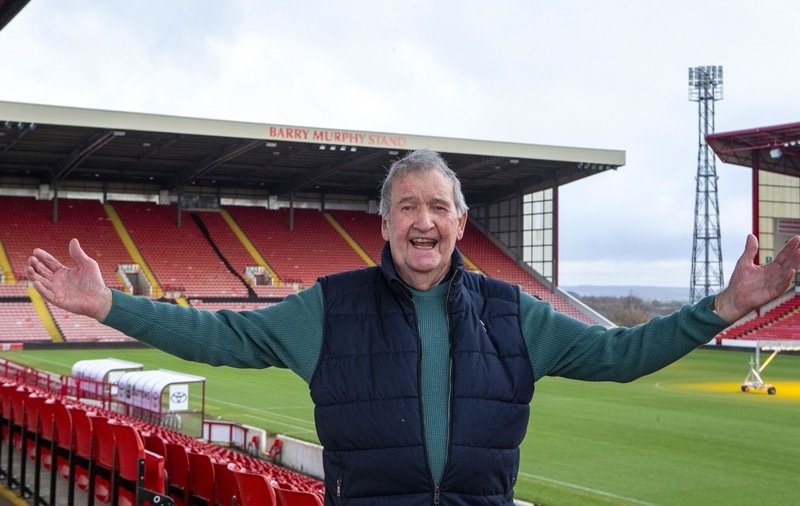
column 79, row 289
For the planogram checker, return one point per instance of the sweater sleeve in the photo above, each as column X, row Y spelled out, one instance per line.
column 287, row 334
column 562, row 346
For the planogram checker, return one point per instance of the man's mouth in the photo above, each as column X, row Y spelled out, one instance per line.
column 424, row 243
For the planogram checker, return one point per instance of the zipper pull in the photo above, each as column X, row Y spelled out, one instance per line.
column 338, row 487
column 436, row 495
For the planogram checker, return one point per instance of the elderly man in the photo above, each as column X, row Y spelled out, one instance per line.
column 421, row 372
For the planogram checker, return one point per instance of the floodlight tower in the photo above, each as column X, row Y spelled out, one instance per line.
column 705, row 88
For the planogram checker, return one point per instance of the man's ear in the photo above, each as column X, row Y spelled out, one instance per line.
column 462, row 224
column 385, row 229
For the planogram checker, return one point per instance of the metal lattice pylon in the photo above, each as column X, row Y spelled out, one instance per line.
column 705, row 88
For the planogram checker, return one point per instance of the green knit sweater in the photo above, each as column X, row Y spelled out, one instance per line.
column 289, row 334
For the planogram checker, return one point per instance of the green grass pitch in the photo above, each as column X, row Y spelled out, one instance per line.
column 684, row 435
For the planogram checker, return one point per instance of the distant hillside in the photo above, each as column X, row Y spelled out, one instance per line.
column 647, row 293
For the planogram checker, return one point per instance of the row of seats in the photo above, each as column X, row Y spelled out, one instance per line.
column 312, row 248
column 782, row 322
column 54, row 447
column 180, row 257
column 28, row 223
column 183, row 260
column 19, row 322
column 495, row 263
column 83, row 328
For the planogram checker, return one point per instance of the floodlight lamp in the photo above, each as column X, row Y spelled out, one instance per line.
column 775, row 153
column 271, row 144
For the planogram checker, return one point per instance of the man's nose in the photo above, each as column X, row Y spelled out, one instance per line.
column 424, row 219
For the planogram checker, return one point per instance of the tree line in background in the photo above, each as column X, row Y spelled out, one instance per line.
column 629, row 310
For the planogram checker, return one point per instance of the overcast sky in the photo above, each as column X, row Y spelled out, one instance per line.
column 609, row 74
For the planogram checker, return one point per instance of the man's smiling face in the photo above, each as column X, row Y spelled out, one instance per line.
column 422, row 227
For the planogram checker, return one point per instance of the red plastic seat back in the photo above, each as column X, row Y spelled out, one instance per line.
column 177, row 466
column 254, row 489
column 102, row 441
column 129, row 449
column 102, row 456
column 82, row 431
column 82, row 441
column 155, row 444
column 224, row 484
column 288, row 497
column 154, row 476
column 201, row 476
column 62, row 423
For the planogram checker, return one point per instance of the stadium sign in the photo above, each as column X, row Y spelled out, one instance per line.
column 326, row 136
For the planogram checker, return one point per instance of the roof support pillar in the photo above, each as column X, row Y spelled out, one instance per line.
column 291, row 211
column 179, row 207
column 756, row 168
column 555, row 234
column 55, row 201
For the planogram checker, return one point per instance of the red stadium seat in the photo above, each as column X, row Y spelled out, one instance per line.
column 81, row 473
column 63, row 449
column 139, row 474
column 102, row 459
column 177, row 466
column 155, row 444
column 253, row 489
column 18, row 436
column 224, row 484
column 288, row 497
column 201, row 478
column 39, row 428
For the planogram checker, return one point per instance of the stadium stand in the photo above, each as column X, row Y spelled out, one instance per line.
column 17, row 291
column 54, row 446
column 365, row 228
column 184, row 258
column 79, row 328
column 781, row 322
column 19, row 322
column 312, row 249
column 181, row 257
column 493, row 262
column 28, row 223
column 490, row 259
